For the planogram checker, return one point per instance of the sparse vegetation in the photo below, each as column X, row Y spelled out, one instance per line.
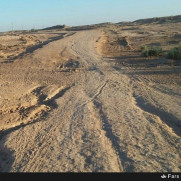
column 151, row 51
column 32, row 30
column 175, row 53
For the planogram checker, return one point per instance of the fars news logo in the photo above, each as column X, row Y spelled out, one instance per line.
column 172, row 176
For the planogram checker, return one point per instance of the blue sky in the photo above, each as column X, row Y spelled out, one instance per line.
column 27, row 14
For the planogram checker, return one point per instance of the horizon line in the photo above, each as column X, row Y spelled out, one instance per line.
column 131, row 21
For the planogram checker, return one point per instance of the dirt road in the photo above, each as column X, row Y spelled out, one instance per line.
column 84, row 115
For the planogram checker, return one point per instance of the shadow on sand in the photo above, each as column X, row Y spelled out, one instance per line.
column 6, row 156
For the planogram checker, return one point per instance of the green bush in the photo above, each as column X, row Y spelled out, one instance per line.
column 32, row 30
column 144, row 47
column 144, row 50
column 151, row 51
column 175, row 53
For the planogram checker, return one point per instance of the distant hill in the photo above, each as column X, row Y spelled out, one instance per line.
column 56, row 27
column 89, row 27
column 159, row 20
column 169, row 19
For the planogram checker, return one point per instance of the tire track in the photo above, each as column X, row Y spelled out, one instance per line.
column 125, row 163
column 167, row 118
column 96, row 95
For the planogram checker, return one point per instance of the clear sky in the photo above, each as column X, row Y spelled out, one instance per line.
column 27, row 14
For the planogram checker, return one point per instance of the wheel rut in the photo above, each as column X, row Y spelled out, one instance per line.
column 169, row 119
column 125, row 163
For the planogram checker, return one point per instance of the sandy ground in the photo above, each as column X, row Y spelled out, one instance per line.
column 87, row 101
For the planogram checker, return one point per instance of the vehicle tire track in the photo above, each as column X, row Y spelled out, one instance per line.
column 125, row 163
column 167, row 118
column 95, row 95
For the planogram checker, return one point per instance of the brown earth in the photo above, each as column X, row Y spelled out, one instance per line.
column 88, row 101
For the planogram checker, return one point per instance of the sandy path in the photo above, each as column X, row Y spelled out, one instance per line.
column 94, row 122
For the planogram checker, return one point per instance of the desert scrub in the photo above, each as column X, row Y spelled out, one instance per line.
column 32, row 30
column 175, row 53
column 151, row 51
